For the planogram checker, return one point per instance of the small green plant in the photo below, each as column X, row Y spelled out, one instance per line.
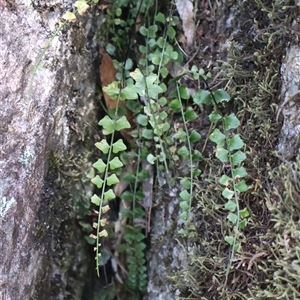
column 186, row 151
column 229, row 152
column 146, row 83
column 149, row 83
column 134, row 233
column 158, row 53
column 110, row 126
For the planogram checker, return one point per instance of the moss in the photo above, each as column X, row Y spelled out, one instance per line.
column 53, row 211
column 52, row 206
column 251, row 75
column 282, row 268
column 65, row 250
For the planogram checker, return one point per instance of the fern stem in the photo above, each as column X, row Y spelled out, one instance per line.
column 236, row 229
column 189, row 149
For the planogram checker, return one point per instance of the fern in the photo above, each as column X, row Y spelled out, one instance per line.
column 110, row 178
column 229, row 151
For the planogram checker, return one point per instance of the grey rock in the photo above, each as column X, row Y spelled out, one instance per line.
column 40, row 245
column 290, row 106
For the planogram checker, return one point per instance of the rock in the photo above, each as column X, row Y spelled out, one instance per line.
column 289, row 139
column 43, row 113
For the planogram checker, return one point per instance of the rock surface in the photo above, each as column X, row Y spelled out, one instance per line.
column 40, row 115
column 290, row 106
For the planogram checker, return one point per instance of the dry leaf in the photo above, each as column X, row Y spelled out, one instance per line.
column 185, row 10
column 107, row 76
column 103, row 5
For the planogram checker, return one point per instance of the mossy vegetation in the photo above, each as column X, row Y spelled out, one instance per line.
column 281, row 269
column 263, row 267
column 64, row 202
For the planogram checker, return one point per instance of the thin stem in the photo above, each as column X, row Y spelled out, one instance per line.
column 189, row 149
column 136, row 179
column 236, row 229
column 101, row 202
